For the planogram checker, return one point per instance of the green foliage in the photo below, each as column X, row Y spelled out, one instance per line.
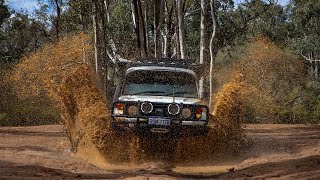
column 4, row 12
column 121, row 30
column 304, row 25
column 301, row 106
column 316, row 112
column 20, row 35
column 272, row 24
column 3, row 117
column 30, row 112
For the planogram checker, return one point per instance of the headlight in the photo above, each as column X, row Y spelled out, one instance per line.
column 133, row 110
column 186, row 113
column 118, row 109
column 146, row 107
column 173, row 109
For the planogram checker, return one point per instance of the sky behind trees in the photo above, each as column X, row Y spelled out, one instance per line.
column 30, row 5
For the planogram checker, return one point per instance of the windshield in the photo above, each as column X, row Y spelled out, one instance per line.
column 161, row 83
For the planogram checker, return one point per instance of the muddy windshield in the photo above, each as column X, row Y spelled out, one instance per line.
column 161, row 83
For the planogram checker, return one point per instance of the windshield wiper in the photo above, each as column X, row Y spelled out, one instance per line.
column 148, row 92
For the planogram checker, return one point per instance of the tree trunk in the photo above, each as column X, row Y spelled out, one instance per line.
column 182, row 40
column 176, row 31
column 139, row 26
column 135, row 19
column 142, row 30
column 105, row 60
column 169, row 31
column 158, row 16
column 107, row 13
column 202, row 41
column 58, row 10
column 212, row 51
column 146, row 21
column 96, row 42
column 84, row 53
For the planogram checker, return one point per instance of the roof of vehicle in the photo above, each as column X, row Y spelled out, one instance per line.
column 165, row 64
column 160, row 68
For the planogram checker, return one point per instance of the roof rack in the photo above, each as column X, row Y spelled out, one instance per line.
column 165, row 62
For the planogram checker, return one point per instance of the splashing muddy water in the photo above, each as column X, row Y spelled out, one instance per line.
column 87, row 122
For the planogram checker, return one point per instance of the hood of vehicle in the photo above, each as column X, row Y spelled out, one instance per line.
column 160, row 99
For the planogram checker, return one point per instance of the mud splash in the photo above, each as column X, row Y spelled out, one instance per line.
column 87, row 119
column 87, row 122
column 225, row 137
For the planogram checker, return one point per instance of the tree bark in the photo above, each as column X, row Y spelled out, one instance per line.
column 182, row 40
column 202, row 41
column 107, row 13
column 169, row 30
column 139, row 26
column 135, row 19
column 105, row 60
column 212, row 51
column 96, row 41
column 176, row 32
column 142, row 30
column 84, row 53
column 58, row 10
column 158, row 17
column 146, row 21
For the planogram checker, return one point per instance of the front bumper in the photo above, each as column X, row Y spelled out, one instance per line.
column 177, row 128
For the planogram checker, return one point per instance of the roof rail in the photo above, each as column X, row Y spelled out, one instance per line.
column 168, row 62
column 165, row 62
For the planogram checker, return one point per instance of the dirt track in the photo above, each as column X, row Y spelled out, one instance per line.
column 278, row 151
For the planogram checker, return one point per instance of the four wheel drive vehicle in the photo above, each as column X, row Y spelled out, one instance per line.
column 160, row 96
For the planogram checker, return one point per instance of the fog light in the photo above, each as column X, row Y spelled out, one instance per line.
column 173, row 109
column 186, row 113
column 146, row 107
column 133, row 110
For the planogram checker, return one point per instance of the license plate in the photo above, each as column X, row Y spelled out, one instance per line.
column 159, row 121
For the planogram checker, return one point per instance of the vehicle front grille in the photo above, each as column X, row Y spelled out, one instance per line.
column 160, row 110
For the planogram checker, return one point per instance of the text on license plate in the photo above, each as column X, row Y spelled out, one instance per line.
column 159, row 121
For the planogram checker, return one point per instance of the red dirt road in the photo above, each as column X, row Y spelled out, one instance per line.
column 278, row 151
